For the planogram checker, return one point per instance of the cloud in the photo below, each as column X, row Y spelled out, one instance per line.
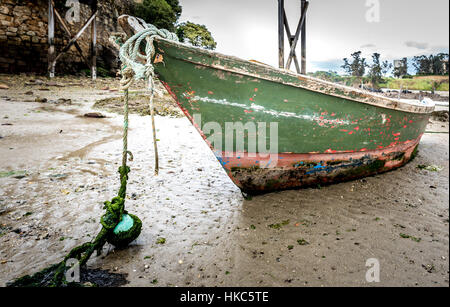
column 417, row 45
column 368, row 46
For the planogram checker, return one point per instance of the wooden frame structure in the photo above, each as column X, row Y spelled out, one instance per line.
column 53, row 57
column 293, row 39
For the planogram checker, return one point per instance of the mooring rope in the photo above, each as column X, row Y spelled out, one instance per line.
column 54, row 275
column 131, row 57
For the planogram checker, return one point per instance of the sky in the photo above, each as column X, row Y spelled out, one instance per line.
column 248, row 29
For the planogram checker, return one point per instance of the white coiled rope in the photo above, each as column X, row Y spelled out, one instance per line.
column 131, row 56
column 133, row 68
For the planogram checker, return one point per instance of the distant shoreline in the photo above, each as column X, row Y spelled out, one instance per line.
column 412, row 83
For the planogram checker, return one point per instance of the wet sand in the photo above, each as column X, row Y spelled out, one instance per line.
column 58, row 167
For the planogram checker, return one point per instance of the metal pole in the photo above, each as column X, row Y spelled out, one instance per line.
column 281, row 22
column 51, row 40
column 303, row 38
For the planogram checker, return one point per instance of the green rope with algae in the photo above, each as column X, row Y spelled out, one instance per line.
column 54, row 275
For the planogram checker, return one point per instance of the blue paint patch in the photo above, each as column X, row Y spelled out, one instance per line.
column 221, row 161
column 319, row 166
column 329, row 169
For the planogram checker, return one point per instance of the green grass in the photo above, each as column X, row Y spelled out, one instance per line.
column 418, row 84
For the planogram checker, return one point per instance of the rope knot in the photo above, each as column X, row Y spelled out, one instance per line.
column 127, row 78
column 130, row 52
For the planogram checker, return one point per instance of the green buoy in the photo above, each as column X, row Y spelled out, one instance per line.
column 126, row 231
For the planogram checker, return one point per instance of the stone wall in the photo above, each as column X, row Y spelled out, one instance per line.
column 24, row 42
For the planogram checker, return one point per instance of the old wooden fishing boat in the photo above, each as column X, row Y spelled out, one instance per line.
column 326, row 132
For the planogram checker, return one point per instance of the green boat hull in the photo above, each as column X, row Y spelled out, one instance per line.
column 323, row 137
column 323, row 132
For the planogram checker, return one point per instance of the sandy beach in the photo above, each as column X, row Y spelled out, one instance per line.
column 58, row 167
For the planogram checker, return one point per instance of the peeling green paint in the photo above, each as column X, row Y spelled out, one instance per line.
column 308, row 120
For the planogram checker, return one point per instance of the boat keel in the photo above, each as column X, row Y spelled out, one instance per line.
column 292, row 171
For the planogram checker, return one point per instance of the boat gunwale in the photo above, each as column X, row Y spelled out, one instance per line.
column 372, row 99
column 381, row 101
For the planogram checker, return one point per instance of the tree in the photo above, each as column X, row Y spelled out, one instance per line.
column 432, row 64
column 422, row 65
column 176, row 7
column 385, row 67
column 347, row 67
column 161, row 13
column 358, row 65
column 437, row 64
column 401, row 68
column 378, row 70
column 197, row 35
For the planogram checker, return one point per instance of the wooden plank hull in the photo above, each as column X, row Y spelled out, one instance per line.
column 325, row 133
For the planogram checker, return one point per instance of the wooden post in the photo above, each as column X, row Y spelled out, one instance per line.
column 291, row 39
column 297, row 36
column 303, row 38
column 67, row 30
column 51, row 40
column 281, row 22
column 53, row 57
column 94, row 47
column 77, row 36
